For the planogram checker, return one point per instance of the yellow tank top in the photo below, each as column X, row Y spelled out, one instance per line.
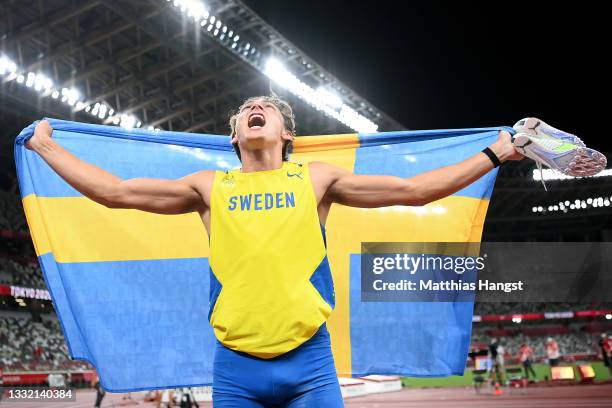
column 271, row 287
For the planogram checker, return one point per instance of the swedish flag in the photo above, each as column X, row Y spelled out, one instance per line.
column 131, row 288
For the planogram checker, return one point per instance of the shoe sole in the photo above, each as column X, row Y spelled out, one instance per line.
column 579, row 162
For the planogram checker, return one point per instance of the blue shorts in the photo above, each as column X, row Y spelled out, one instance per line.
column 304, row 377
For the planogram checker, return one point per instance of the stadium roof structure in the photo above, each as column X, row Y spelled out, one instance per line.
column 175, row 65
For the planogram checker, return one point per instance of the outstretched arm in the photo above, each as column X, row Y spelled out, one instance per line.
column 381, row 191
column 153, row 195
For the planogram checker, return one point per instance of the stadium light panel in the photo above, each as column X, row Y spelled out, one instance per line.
column 44, row 85
column 277, row 72
column 7, row 66
column 332, row 97
column 128, row 121
column 564, row 206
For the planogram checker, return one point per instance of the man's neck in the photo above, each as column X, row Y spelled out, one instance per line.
column 260, row 161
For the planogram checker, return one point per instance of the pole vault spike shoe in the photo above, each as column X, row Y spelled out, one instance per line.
column 556, row 149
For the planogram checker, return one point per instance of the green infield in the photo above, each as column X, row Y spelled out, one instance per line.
column 542, row 371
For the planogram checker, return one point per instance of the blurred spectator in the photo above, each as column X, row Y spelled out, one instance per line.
column 552, row 352
column 20, row 338
column 489, row 308
column 16, row 274
column 605, row 345
column 575, row 342
column 11, row 212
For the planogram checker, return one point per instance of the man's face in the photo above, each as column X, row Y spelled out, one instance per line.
column 260, row 125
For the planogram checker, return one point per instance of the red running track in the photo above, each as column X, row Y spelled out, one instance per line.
column 579, row 396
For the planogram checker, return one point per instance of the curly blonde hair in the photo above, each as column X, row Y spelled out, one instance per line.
column 286, row 112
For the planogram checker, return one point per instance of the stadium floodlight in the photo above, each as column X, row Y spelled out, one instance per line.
column 193, row 8
column 39, row 82
column 333, row 99
column 277, row 72
column 128, row 121
column 330, row 105
column 30, row 79
column 42, row 83
column 7, row 66
column 549, row 174
column 103, row 110
column 210, row 23
column 70, row 96
column 565, row 206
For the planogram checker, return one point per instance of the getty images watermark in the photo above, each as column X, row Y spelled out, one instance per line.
column 427, row 265
column 487, row 272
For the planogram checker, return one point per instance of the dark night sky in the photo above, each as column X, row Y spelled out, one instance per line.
column 437, row 65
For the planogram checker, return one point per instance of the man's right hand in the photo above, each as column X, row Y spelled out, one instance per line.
column 42, row 132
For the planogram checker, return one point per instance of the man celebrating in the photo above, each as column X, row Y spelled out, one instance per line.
column 271, row 287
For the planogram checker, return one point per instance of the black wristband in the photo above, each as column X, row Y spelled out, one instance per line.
column 492, row 156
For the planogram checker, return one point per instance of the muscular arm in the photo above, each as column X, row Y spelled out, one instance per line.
column 380, row 191
column 153, row 195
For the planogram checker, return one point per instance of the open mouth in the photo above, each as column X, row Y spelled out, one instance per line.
column 256, row 120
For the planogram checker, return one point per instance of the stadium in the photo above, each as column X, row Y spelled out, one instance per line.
column 168, row 68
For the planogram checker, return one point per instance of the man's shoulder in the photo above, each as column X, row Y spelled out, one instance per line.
column 201, row 181
column 324, row 168
column 320, row 170
column 201, row 176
